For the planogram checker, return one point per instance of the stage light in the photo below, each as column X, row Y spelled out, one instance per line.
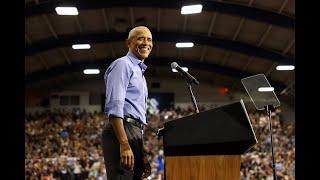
column 191, row 9
column 91, row 71
column 81, row 46
column 184, row 44
column 285, row 67
column 67, row 11
column 265, row 89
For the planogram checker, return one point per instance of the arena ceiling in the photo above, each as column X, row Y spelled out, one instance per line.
column 233, row 39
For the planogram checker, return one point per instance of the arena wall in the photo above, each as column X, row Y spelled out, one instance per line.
column 92, row 92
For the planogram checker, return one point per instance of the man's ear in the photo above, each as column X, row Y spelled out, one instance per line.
column 127, row 42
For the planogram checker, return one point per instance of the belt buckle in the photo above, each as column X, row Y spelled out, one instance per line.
column 131, row 120
column 135, row 122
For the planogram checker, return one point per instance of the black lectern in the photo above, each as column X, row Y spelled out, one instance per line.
column 208, row 145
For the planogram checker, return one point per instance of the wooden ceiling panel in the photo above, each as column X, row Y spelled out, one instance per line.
column 271, row 5
column 63, row 25
column 282, row 76
column 101, row 50
column 292, row 51
column 278, row 38
column 53, row 58
column 192, row 53
column 251, row 31
column 226, row 25
column 167, row 49
column 171, row 20
column 236, row 60
column 119, row 19
column 259, row 65
column 145, row 17
column 92, row 21
column 290, row 8
column 36, row 29
column 79, row 55
column 199, row 23
column 214, row 55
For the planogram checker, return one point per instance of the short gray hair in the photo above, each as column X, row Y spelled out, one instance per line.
column 133, row 31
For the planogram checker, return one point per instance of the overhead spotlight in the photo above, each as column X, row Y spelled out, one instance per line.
column 285, row 67
column 81, row 46
column 91, row 71
column 70, row 11
column 266, row 89
column 191, row 9
column 184, row 44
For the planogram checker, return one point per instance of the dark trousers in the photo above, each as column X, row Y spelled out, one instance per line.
column 111, row 152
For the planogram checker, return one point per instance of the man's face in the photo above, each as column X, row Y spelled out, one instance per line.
column 141, row 43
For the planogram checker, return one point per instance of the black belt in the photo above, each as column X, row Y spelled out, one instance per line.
column 134, row 122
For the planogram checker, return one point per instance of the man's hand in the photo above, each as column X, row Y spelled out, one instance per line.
column 126, row 156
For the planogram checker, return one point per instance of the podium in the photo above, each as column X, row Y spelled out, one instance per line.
column 208, row 145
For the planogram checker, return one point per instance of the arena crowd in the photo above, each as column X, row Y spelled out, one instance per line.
column 67, row 145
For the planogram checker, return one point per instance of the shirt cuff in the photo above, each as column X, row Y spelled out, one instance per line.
column 114, row 108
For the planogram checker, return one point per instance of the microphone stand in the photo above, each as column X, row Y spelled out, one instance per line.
column 194, row 102
column 268, row 108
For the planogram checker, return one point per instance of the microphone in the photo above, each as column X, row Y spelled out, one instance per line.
column 191, row 79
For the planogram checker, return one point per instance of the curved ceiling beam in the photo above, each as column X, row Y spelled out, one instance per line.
column 102, row 64
column 216, row 6
column 240, row 47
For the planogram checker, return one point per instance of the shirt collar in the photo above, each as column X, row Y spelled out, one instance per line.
column 133, row 58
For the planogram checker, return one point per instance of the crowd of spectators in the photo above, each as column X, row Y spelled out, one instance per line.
column 67, row 146
column 64, row 145
column 257, row 162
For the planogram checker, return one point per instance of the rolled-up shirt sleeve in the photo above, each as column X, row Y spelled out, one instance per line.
column 116, row 79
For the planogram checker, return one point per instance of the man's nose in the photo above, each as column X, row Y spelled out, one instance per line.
column 144, row 41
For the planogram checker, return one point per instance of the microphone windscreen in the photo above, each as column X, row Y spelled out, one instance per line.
column 174, row 65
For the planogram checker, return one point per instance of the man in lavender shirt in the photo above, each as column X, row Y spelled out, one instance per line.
column 125, row 106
